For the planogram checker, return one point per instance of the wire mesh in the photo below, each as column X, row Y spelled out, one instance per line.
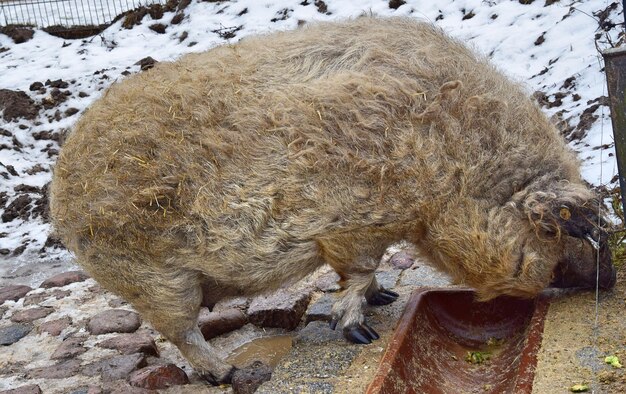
column 66, row 13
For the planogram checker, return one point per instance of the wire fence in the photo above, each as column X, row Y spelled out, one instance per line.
column 66, row 13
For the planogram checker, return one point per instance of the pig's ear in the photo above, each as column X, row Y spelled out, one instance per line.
column 569, row 211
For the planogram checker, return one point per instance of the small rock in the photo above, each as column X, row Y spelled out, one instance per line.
column 27, row 189
column 13, row 292
column 31, row 314
column 16, row 104
column 19, row 250
column 60, row 370
column 55, row 327
column 322, row 8
column 64, row 279
column 51, row 241
column 248, row 379
column 10, row 367
column 30, row 389
column 114, row 320
column 116, row 367
column 19, row 208
column 146, row 63
column 56, row 97
column 19, row 34
column 158, row 28
column 59, row 83
column 214, row 324
column 122, row 387
column 34, row 299
column 607, row 377
column 134, row 17
column 156, row 11
column 401, row 260
column 11, row 169
column 227, row 33
column 71, row 111
column 96, row 289
column 319, row 333
column 87, row 390
column 116, row 302
column 13, row 333
column 395, row 4
column 282, row 309
column 240, row 303
column 132, row 343
column 70, row 347
column 424, row 275
column 328, row 282
column 388, row 279
column 35, row 86
column 4, row 196
column 177, row 18
column 47, row 135
column 320, row 309
column 158, row 377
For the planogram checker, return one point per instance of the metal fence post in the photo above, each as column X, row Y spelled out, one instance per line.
column 615, row 68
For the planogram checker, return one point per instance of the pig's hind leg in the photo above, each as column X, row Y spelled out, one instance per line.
column 169, row 297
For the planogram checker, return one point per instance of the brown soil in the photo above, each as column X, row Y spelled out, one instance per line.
column 574, row 346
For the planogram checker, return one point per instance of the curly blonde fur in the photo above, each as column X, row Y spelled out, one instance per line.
column 250, row 165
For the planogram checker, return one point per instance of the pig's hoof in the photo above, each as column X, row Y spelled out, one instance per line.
column 224, row 379
column 248, row 379
column 361, row 333
column 382, row 297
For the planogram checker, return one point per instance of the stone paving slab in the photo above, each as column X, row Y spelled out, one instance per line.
column 56, row 353
column 88, row 340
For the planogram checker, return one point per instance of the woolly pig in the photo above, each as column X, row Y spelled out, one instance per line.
column 237, row 170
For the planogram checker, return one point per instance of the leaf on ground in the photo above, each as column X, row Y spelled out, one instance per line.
column 579, row 388
column 613, row 360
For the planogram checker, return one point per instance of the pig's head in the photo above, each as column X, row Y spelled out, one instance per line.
column 535, row 240
column 585, row 258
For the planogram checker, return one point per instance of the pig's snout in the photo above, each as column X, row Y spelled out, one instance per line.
column 584, row 267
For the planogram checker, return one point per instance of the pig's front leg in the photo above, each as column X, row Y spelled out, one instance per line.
column 359, row 282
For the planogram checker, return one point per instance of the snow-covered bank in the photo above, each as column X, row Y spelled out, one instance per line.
column 550, row 46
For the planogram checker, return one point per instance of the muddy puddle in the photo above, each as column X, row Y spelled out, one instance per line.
column 269, row 350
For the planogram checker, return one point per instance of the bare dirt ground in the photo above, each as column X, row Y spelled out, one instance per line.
column 575, row 345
